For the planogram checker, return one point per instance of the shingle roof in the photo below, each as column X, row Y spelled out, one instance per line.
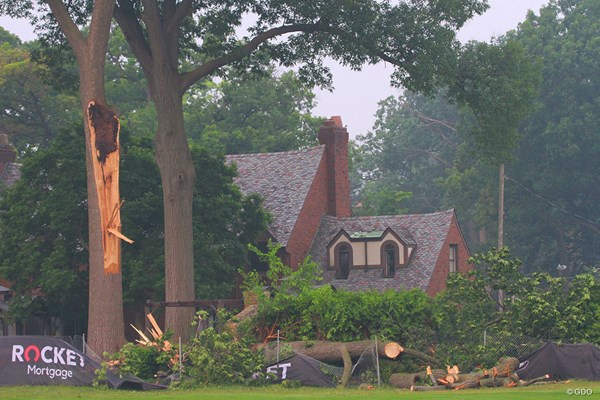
column 10, row 174
column 283, row 180
column 427, row 231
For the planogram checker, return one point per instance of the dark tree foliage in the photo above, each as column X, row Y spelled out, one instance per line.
column 553, row 216
column 43, row 226
column 31, row 108
column 399, row 164
column 43, row 233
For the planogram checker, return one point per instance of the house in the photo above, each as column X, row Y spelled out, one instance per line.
column 308, row 194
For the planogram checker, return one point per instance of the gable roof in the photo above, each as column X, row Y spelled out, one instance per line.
column 427, row 232
column 282, row 179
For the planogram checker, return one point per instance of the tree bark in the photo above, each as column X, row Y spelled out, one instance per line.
column 155, row 45
column 534, row 380
column 105, row 309
column 427, row 388
column 505, row 368
column 178, row 177
column 402, row 380
column 328, row 351
column 347, row 366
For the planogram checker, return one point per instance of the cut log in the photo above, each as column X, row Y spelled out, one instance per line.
column 490, row 382
column 534, row 380
column 452, row 378
column 325, row 351
column 463, row 385
column 473, row 376
column 392, row 349
column 402, row 380
column 427, row 388
column 506, row 366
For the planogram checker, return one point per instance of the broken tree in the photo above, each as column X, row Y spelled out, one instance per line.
column 104, row 137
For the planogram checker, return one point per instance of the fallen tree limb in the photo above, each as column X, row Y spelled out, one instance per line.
column 325, row 351
column 347, row 366
column 394, row 350
column 427, row 388
column 534, row 380
column 402, row 380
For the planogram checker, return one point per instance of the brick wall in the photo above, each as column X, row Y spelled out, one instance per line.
column 315, row 206
column 329, row 192
column 440, row 273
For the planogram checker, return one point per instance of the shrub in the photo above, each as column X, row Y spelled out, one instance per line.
column 143, row 361
column 218, row 358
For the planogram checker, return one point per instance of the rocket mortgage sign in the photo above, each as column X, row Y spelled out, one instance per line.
column 33, row 360
column 39, row 360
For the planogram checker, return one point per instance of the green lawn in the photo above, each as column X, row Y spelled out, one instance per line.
column 550, row 391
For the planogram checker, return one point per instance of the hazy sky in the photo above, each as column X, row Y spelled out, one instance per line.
column 357, row 93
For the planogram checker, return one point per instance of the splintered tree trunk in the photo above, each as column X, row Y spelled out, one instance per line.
column 105, row 315
column 178, row 177
column 106, row 331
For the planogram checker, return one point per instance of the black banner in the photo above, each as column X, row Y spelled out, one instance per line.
column 37, row 360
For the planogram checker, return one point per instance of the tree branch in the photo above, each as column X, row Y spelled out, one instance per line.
column 182, row 10
column 189, row 78
column 68, row 27
column 134, row 36
column 97, row 41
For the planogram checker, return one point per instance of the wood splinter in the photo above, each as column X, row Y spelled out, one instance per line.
column 104, row 129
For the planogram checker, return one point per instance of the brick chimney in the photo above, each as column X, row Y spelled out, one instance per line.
column 335, row 137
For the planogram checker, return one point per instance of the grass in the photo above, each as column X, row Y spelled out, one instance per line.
column 542, row 392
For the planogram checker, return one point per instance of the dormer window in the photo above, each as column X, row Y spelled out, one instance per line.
column 382, row 250
column 343, row 260
column 389, row 258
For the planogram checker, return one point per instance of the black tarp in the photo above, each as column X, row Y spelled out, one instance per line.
column 562, row 361
column 303, row 369
column 39, row 360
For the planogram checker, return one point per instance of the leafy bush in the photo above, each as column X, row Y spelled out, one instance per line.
column 143, row 361
column 451, row 325
column 218, row 358
column 301, row 311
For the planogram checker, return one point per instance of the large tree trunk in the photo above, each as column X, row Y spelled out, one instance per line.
column 106, row 331
column 178, row 176
column 158, row 55
column 105, row 312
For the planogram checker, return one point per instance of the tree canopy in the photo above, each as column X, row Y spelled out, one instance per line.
column 550, row 186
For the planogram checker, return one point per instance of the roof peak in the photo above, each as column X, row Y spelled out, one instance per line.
column 299, row 151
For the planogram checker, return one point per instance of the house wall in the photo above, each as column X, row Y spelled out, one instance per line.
column 329, row 192
column 441, row 271
column 315, row 206
column 373, row 251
